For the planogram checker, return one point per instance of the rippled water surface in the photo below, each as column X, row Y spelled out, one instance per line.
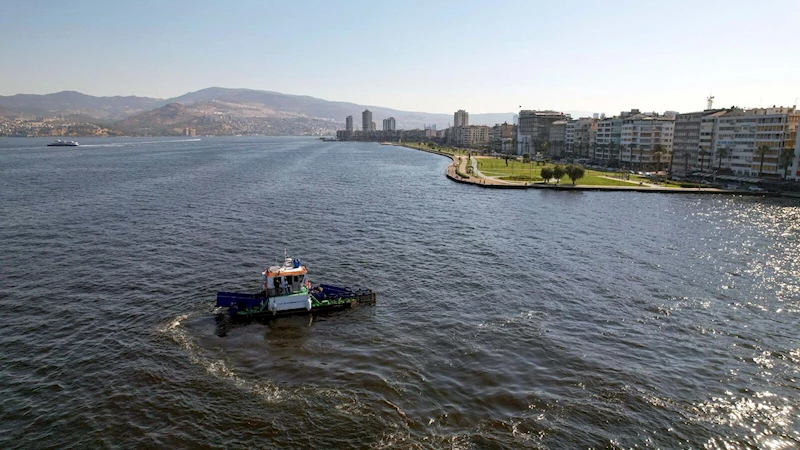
column 504, row 318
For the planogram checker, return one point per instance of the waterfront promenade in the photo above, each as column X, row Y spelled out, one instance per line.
column 458, row 171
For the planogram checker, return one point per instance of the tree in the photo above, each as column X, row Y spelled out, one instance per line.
column 671, row 158
column 787, row 155
column 630, row 158
column 558, row 172
column 761, row 151
column 544, row 146
column 641, row 160
column 575, row 173
column 723, row 152
column 547, row 173
column 702, row 154
column 526, row 157
column 616, row 152
column 658, row 150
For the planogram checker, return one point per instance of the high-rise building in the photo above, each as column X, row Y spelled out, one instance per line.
column 366, row 120
column 348, row 123
column 461, row 118
column 389, row 124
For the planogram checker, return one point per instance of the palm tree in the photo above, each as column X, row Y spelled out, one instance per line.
column 723, row 152
column 671, row 158
column 761, row 151
column 702, row 154
column 658, row 150
column 641, row 163
column 787, row 155
column 631, row 157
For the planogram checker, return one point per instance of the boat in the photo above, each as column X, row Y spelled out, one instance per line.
column 287, row 291
column 60, row 143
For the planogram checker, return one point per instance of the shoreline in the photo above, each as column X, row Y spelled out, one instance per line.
column 459, row 162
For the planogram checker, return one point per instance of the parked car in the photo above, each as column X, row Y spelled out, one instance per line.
column 755, row 188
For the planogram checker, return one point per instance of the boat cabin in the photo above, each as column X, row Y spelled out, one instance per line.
column 285, row 280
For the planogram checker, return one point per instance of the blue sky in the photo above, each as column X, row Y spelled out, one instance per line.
column 433, row 56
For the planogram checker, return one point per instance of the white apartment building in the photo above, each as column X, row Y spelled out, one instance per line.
column 692, row 140
column 794, row 169
column 580, row 136
column 739, row 133
column 471, row 136
column 642, row 136
column 608, row 138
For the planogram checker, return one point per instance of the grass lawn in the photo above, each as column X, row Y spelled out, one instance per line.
column 519, row 171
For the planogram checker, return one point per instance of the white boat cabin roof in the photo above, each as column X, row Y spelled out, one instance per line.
column 290, row 267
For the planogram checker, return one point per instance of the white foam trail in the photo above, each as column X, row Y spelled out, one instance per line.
column 216, row 367
column 123, row 144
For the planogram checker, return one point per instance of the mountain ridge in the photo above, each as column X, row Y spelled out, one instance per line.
column 218, row 111
column 120, row 108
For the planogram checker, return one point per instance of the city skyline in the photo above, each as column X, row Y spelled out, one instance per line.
column 664, row 59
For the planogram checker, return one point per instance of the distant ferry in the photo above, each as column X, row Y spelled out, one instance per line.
column 60, row 143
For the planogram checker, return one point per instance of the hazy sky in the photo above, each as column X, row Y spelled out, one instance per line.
column 433, row 56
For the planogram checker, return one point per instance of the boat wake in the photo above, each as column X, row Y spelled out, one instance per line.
column 176, row 330
column 129, row 144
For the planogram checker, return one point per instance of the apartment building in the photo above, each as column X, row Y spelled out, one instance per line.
column 534, row 129
column 461, row 118
column 366, row 121
column 794, row 167
column 558, row 137
column 389, row 124
column 469, row 136
column 643, row 136
column 690, row 129
column 348, row 124
column 740, row 133
column 580, row 136
column 608, row 138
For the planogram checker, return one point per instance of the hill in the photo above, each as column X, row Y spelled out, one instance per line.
column 222, row 118
column 247, row 107
column 71, row 102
